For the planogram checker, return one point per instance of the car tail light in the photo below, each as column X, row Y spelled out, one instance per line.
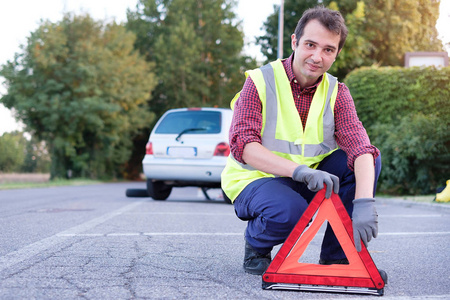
column 149, row 148
column 222, row 149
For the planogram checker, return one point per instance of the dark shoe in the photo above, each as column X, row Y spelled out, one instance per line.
column 342, row 261
column 254, row 262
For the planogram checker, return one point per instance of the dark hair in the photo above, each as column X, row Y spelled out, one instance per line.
column 331, row 19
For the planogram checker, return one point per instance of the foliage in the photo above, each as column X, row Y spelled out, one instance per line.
column 355, row 52
column 396, row 27
column 19, row 154
column 37, row 159
column 12, row 149
column 79, row 86
column 196, row 47
column 406, row 113
column 47, row 184
column 293, row 10
column 379, row 31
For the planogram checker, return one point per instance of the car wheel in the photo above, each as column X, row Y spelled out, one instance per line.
column 225, row 198
column 158, row 190
column 136, row 193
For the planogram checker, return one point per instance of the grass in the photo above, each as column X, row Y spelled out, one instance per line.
column 51, row 183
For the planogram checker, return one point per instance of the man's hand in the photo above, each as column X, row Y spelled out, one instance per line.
column 315, row 179
column 365, row 221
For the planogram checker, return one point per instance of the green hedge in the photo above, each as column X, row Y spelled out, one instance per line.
column 406, row 112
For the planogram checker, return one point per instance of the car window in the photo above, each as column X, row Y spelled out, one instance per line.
column 198, row 122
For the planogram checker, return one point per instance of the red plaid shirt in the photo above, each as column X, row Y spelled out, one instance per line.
column 247, row 119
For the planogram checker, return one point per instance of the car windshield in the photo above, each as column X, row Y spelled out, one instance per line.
column 191, row 122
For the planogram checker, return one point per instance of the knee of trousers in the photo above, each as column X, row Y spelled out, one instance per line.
column 280, row 223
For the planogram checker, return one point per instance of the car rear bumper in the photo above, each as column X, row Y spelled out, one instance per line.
column 206, row 170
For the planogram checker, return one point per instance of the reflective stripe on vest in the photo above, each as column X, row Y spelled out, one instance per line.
column 268, row 137
column 285, row 136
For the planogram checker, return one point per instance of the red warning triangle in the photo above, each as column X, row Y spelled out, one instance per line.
column 286, row 267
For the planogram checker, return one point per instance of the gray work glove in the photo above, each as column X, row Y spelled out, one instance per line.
column 365, row 221
column 315, row 179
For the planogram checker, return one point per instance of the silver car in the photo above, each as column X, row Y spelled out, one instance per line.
column 187, row 147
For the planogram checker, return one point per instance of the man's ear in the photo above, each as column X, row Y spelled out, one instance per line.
column 338, row 53
column 293, row 42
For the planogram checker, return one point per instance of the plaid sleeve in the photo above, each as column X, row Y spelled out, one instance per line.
column 247, row 120
column 350, row 134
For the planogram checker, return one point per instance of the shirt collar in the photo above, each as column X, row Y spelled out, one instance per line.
column 287, row 63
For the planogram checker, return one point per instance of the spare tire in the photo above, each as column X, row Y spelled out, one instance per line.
column 135, row 193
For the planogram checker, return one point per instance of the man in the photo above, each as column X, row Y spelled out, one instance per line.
column 295, row 130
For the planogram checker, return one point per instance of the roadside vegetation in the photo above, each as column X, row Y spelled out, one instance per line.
column 408, row 121
column 49, row 183
column 89, row 91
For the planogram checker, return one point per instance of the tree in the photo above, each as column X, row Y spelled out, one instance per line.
column 196, row 46
column 37, row 158
column 79, row 86
column 293, row 10
column 178, row 52
column 12, row 151
column 408, row 121
column 379, row 31
column 396, row 27
column 356, row 51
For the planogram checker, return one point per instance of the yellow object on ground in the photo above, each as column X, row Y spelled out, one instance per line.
column 444, row 196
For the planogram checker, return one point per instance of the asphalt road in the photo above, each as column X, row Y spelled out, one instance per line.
column 92, row 242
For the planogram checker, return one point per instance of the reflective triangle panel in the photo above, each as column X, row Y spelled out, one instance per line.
column 287, row 268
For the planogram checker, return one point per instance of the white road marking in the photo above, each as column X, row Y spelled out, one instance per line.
column 428, row 297
column 411, row 216
column 152, row 234
column 194, row 233
column 417, row 233
column 219, row 234
column 31, row 250
column 181, row 213
column 234, row 215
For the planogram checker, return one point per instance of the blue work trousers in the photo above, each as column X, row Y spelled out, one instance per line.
column 272, row 206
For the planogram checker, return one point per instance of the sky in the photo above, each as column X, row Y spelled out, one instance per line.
column 16, row 24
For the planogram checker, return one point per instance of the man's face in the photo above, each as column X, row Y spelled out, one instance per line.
column 315, row 53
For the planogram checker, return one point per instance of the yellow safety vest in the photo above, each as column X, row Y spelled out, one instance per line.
column 282, row 130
